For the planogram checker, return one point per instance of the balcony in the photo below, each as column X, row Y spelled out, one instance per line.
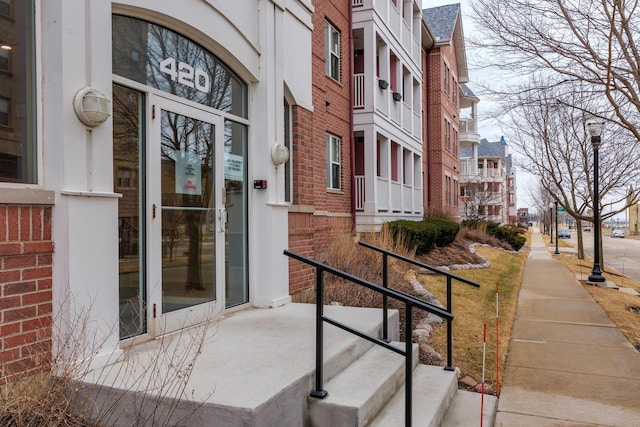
column 359, row 196
column 469, row 131
column 468, row 167
column 358, row 91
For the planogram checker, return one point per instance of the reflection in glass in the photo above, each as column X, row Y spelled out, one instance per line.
column 161, row 58
column 235, row 152
column 128, row 170
column 17, row 93
column 188, row 228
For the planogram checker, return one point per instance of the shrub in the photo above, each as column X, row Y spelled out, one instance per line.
column 424, row 235
column 509, row 235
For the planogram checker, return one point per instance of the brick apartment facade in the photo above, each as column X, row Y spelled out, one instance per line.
column 318, row 212
column 444, row 71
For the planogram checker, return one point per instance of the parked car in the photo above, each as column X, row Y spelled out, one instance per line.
column 564, row 232
column 587, row 228
column 617, row 233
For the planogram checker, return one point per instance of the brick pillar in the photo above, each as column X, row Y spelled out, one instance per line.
column 26, row 252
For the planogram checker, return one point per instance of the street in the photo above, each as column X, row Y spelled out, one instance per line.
column 622, row 255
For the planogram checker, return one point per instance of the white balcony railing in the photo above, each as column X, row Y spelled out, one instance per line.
column 417, row 124
column 468, row 167
column 407, row 198
column 382, row 192
column 359, row 196
column 396, row 196
column 358, row 3
column 492, row 172
column 407, row 117
column 358, row 91
column 469, row 125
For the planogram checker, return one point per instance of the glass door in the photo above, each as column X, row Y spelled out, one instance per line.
column 188, row 219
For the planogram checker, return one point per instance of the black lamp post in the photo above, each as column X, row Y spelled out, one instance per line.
column 594, row 128
column 551, row 223
column 557, row 252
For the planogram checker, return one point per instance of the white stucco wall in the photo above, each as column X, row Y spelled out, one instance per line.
column 257, row 39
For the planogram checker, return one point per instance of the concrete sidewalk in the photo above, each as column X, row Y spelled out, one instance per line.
column 567, row 363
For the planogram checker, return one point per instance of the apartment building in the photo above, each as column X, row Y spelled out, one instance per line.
column 488, row 189
column 444, row 71
column 170, row 152
column 388, row 42
column 319, row 194
column 147, row 143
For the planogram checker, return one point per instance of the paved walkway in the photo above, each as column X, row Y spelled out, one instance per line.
column 567, row 363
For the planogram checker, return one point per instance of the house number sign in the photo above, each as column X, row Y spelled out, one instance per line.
column 185, row 74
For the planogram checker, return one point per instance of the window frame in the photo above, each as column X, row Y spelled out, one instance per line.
column 333, row 159
column 32, row 176
column 9, row 4
column 330, row 31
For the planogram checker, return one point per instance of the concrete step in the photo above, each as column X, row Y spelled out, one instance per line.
column 433, row 391
column 358, row 393
column 465, row 410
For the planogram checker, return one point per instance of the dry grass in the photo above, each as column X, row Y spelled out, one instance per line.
column 474, row 307
column 59, row 395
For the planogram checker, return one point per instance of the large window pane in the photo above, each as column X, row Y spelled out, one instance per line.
column 17, row 93
column 161, row 58
column 235, row 202
column 128, row 166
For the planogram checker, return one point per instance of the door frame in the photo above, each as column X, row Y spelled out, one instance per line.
column 160, row 323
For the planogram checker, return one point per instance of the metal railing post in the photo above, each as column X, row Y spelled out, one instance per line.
column 319, row 393
column 408, row 369
column 385, row 284
column 449, row 366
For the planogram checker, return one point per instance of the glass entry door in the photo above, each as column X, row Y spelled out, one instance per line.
column 188, row 219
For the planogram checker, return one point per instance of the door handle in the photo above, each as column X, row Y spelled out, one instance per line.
column 222, row 220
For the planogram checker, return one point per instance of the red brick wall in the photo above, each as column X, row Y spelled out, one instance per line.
column 26, row 252
column 318, row 213
column 439, row 105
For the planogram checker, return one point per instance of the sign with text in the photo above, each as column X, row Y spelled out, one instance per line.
column 188, row 173
column 233, row 167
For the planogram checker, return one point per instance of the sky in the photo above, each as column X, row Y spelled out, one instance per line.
column 487, row 127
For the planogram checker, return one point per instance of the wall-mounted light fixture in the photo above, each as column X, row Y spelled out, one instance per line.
column 279, row 154
column 397, row 96
column 91, row 106
column 383, row 84
column 4, row 46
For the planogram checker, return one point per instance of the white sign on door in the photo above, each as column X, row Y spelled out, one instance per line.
column 188, row 173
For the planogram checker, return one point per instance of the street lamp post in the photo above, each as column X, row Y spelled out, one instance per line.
column 595, row 130
column 551, row 222
column 556, row 252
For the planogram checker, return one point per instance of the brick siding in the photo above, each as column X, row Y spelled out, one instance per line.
column 323, row 213
column 26, row 253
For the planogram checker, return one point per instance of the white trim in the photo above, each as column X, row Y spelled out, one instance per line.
column 90, row 194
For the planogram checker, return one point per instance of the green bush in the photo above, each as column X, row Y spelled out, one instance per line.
column 509, row 235
column 424, row 235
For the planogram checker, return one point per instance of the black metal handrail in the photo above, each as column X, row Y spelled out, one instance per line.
column 409, row 301
column 385, row 284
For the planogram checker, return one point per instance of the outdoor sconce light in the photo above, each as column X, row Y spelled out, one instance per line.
column 397, row 96
column 383, row 84
column 279, row 154
column 91, row 107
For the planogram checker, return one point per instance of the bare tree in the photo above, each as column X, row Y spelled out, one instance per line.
column 477, row 198
column 558, row 151
column 592, row 44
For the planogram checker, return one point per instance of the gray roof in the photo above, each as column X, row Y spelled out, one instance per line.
column 466, row 91
column 492, row 149
column 441, row 20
